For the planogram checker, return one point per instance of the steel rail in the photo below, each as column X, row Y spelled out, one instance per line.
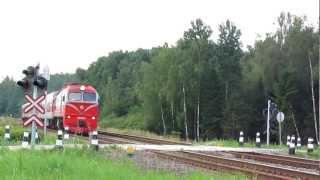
column 257, row 170
column 112, row 140
column 143, row 139
column 279, row 159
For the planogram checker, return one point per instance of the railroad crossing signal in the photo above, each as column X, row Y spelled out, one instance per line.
column 34, row 118
column 34, row 104
column 25, row 83
column 38, row 83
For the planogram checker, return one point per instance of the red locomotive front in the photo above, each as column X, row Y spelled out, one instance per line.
column 74, row 106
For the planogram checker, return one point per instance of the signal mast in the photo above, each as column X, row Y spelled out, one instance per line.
column 34, row 87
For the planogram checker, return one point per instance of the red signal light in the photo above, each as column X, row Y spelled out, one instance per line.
column 41, row 82
column 24, row 83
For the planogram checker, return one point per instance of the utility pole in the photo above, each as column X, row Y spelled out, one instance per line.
column 268, row 123
column 280, row 118
column 280, row 142
column 34, row 95
column 46, row 75
column 33, row 128
column 319, row 76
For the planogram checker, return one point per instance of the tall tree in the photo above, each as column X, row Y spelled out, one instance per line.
column 229, row 55
column 198, row 35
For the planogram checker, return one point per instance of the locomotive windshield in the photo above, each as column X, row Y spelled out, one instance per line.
column 75, row 96
column 91, row 97
column 82, row 96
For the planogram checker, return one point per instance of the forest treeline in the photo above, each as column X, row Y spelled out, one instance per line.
column 202, row 88
column 11, row 96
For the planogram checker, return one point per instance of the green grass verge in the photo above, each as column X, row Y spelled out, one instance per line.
column 16, row 129
column 16, row 132
column 234, row 143
column 84, row 164
column 303, row 153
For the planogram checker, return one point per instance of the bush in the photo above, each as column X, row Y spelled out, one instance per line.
column 134, row 120
column 16, row 128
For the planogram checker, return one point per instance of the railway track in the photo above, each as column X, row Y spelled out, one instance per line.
column 139, row 139
column 104, row 139
column 255, row 169
column 263, row 166
column 279, row 159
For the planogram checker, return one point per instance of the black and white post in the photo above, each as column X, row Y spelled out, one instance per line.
column 292, row 146
column 310, row 145
column 66, row 133
column 94, row 140
column 7, row 133
column 59, row 143
column 298, row 143
column 25, row 139
column 258, row 141
column 288, row 140
column 241, row 138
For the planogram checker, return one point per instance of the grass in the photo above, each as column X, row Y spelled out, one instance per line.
column 303, row 153
column 16, row 129
column 16, row 133
column 84, row 164
column 234, row 143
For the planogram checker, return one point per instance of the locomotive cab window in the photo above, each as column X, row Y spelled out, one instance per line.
column 90, row 97
column 75, row 96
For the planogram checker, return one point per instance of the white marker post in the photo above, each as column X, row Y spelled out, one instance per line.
column 292, row 146
column 288, row 140
column 310, row 145
column 241, row 138
column 59, row 142
column 66, row 133
column 94, row 140
column 258, row 142
column 25, row 140
column 298, row 143
column 7, row 133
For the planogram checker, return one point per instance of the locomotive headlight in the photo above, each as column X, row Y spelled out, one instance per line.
column 68, row 117
column 82, row 88
column 93, row 118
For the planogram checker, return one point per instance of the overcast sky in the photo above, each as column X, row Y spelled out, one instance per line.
column 66, row 34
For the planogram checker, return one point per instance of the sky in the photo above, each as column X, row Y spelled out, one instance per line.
column 66, row 34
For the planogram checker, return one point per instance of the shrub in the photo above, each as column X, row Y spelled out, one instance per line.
column 16, row 128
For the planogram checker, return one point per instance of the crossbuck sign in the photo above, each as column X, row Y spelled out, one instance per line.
column 33, row 118
column 34, row 104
